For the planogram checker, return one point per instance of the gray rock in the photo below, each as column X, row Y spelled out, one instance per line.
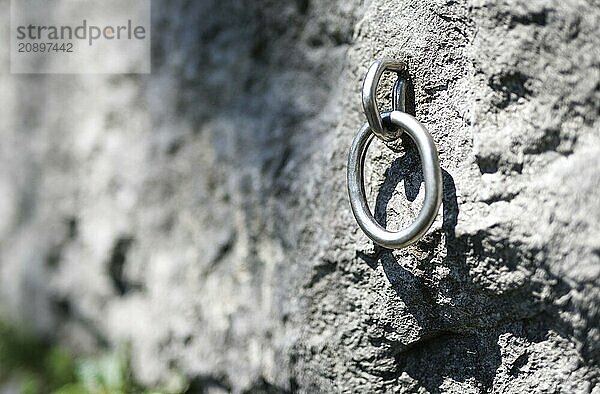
column 200, row 213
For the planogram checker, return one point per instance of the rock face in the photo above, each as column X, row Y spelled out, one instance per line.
column 200, row 212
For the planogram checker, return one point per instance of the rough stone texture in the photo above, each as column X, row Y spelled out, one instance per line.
column 200, row 213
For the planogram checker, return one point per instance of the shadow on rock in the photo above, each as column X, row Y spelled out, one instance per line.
column 450, row 294
column 445, row 343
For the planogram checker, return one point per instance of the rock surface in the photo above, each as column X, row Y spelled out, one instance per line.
column 200, row 212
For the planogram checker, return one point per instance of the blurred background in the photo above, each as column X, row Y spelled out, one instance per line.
column 188, row 230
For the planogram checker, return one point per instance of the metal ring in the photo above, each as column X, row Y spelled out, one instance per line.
column 369, row 96
column 432, row 175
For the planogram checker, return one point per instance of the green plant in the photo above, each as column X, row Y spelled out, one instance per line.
column 45, row 368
